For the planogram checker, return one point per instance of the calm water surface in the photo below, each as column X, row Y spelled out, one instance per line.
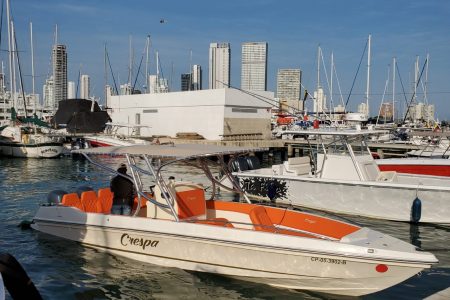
column 66, row 270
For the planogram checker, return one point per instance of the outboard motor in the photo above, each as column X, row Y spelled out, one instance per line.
column 253, row 163
column 240, row 164
column 55, row 197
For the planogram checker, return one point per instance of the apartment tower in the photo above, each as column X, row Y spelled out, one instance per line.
column 85, row 87
column 59, row 64
column 219, row 65
column 288, row 89
column 254, row 66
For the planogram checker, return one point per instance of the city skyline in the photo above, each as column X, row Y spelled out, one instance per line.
column 178, row 30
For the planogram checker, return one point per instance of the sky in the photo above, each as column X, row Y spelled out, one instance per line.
column 293, row 29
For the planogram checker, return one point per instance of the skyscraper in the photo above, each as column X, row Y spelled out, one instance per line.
column 186, row 82
column 196, row 77
column 59, row 64
column 71, row 90
column 219, row 65
column 254, row 66
column 85, row 87
column 288, row 89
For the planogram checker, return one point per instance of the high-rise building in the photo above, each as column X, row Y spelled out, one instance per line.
column 196, row 77
column 288, row 89
column 186, row 82
column 71, row 90
column 219, row 65
column 84, row 87
column 254, row 66
column 59, row 64
column 320, row 101
column 49, row 93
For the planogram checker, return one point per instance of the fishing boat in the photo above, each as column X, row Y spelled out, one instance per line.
column 175, row 225
column 28, row 141
column 341, row 176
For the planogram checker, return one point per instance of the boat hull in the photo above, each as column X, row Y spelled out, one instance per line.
column 248, row 255
column 380, row 200
column 40, row 150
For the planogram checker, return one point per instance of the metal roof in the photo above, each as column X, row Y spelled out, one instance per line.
column 176, row 151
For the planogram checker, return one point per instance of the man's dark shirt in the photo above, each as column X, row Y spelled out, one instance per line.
column 123, row 190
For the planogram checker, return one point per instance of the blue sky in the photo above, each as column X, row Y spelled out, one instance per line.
column 293, row 29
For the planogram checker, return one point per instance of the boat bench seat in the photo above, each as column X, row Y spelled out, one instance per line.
column 297, row 165
column 72, row 199
column 90, row 202
column 262, row 222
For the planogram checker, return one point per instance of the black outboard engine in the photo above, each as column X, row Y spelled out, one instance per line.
column 55, row 197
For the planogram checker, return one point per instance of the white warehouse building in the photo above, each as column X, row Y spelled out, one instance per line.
column 210, row 113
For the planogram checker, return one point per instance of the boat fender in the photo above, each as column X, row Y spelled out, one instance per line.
column 25, row 224
column 55, row 197
column 416, row 210
column 82, row 189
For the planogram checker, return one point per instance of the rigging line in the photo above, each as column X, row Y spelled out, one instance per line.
column 401, row 83
column 356, row 75
column 382, row 99
column 137, row 73
column 21, row 78
column 112, row 73
column 1, row 22
column 414, row 94
column 339, row 86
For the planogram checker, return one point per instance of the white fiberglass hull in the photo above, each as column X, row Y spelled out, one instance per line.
column 381, row 200
column 284, row 261
column 40, row 150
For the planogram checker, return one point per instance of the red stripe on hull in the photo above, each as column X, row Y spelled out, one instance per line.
column 95, row 143
column 435, row 170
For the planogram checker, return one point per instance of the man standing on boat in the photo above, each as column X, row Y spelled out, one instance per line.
column 124, row 192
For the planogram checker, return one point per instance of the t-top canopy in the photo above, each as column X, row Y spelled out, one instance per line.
column 176, row 151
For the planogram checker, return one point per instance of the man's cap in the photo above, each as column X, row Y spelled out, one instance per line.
column 122, row 165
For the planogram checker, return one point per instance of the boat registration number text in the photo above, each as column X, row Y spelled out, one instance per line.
column 329, row 260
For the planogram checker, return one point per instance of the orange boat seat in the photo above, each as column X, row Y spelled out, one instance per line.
column 72, row 199
column 216, row 221
column 191, row 203
column 90, row 202
column 105, row 198
column 261, row 220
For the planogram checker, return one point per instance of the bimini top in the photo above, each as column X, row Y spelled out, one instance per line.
column 176, row 151
column 337, row 132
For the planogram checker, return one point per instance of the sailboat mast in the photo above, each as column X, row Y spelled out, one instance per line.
column 393, row 88
column 13, row 79
column 318, row 81
column 32, row 66
column 157, row 72
column 146, row 64
column 368, row 75
column 10, row 58
column 331, row 83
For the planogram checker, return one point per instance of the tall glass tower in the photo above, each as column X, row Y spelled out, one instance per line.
column 254, row 66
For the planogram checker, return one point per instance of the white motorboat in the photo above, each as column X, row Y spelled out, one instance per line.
column 111, row 137
column 25, row 141
column 175, row 226
column 341, row 179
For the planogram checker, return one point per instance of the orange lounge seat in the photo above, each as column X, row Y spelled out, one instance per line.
column 90, row 202
column 105, row 198
column 72, row 199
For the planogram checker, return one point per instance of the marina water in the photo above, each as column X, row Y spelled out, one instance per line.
column 63, row 269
